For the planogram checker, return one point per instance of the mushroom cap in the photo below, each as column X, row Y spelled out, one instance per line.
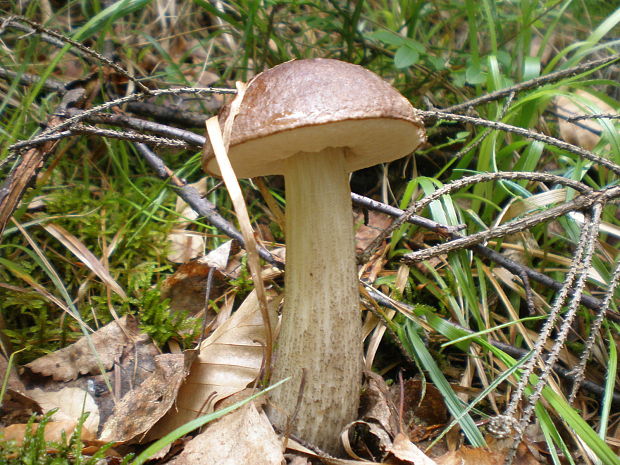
column 310, row 105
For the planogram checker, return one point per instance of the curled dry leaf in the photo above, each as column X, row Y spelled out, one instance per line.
column 141, row 408
column 71, row 403
column 370, row 440
column 229, row 360
column 244, row 436
column 294, row 446
column 109, row 343
column 584, row 133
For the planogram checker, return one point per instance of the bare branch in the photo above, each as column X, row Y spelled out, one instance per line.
column 433, row 115
column 62, row 40
column 533, row 83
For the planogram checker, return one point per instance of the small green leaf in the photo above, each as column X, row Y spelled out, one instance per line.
column 415, row 45
column 405, row 57
column 474, row 75
column 387, row 37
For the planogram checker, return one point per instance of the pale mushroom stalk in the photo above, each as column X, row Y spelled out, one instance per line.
column 315, row 121
column 321, row 324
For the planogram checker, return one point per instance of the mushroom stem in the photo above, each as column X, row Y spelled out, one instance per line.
column 321, row 331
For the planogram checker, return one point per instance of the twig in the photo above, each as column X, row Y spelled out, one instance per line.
column 461, row 183
column 579, row 203
column 168, row 113
column 579, row 371
column 130, row 136
column 201, row 205
column 87, row 51
column 433, row 115
column 572, row 290
column 572, row 119
column 50, row 85
column 131, row 98
column 533, row 83
column 13, row 187
column 115, row 119
column 513, row 351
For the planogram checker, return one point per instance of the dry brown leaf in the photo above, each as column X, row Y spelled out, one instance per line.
column 17, row 407
column 377, row 405
column 77, row 248
column 71, row 403
column 421, row 415
column 365, row 233
column 244, row 436
column 406, row 451
column 14, row 382
column 585, row 134
column 141, row 408
column 481, row 456
column 78, row 358
column 184, row 245
column 229, row 360
column 187, row 286
column 53, row 431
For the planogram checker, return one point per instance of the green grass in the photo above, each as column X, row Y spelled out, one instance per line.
column 437, row 53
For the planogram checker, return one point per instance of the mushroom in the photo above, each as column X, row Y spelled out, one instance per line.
column 315, row 121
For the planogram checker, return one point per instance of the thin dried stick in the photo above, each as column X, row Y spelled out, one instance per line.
column 588, row 155
column 533, row 83
column 574, row 285
column 579, row 371
column 62, row 40
column 378, row 297
column 461, row 183
column 201, row 205
column 130, row 98
column 14, row 186
column 579, row 203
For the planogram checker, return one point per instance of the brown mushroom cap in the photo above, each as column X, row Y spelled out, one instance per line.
column 309, row 105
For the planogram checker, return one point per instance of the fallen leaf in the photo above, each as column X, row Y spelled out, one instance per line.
column 244, row 436
column 367, row 232
column 370, row 440
column 583, row 133
column 229, row 360
column 52, row 432
column 292, row 445
column 482, row 456
column 109, row 343
column 71, row 403
column 184, row 245
column 404, row 450
column 141, row 408
column 377, row 404
column 16, row 406
column 186, row 288
column 13, row 382
column 421, row 415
